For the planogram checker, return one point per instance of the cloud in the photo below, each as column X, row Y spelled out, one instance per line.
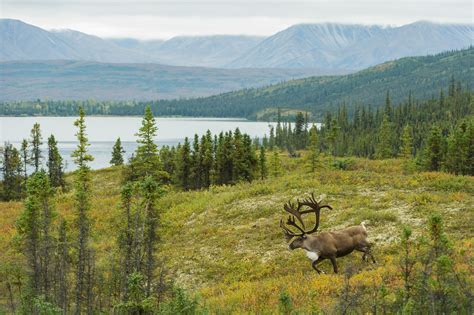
column 163, row 19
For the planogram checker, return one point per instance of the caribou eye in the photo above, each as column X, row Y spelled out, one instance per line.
column 304, row 237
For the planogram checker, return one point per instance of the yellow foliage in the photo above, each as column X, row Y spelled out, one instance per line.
column 225, row 244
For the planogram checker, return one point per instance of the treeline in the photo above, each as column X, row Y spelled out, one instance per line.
column 223, row 159
column 227, row 158
column 16, row 164
column 424, row 76
column 61, row 271
column 437, row 134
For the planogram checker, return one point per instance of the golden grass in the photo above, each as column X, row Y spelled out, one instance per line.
column 225, row 244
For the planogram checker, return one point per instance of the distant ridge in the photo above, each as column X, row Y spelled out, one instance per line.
column 424, row 77
column 329, row 46
column 85, row 80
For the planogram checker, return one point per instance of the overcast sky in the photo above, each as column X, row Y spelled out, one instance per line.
column 149, row 19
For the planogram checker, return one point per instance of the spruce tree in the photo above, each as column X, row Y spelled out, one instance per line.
column 219, row 162
column 62, row 268
column 470, row 148
column 250, row 162
column 82, row 184
column 150, row 191
column 29, row 230
column 407, row 263
column 47, row 242
column 452, row 87
column 384, row 148
column 434, row 150
column 279, row 139
column 12, row 173
column 238, row 157
column 117, row 153
column 55, row 164
column 299, row 136
column 36, row 155
column 275, row 164
column 313, row 147
column 25, row 159
column 332, row 136
column 407, row 142
column 458, row 154
column 388, row 106
column 183, row 165
column 206, row 156
column 125, row 238
column 167, row 158
column 146, row 161
column 196, row 164
column 262, row 163
column 271, row 140
column 36, row 241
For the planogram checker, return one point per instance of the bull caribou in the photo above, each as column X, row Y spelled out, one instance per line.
column 325, row 245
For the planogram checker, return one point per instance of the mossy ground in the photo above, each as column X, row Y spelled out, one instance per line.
column 224, row 244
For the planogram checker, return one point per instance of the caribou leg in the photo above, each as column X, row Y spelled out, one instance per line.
column 334, row 264
column 315, row 263
column 367, row 253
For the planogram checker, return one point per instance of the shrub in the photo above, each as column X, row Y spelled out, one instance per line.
column 285, row 304
column 181, row 303
column 344, row 164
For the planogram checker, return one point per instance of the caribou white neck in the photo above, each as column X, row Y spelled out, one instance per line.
column 312, row 255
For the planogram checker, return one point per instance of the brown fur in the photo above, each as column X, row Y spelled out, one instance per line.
column 330, row 245
column 325, row 245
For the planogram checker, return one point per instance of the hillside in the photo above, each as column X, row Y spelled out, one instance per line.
column 81, row 80
column 423, row 76
column 225, row 244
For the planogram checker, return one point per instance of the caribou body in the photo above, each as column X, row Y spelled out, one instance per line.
column 325, row 245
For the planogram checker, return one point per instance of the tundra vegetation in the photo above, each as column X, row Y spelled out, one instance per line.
column 194, row 229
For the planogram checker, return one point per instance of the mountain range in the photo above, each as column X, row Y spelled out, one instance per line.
column 328, row 46
column 353, row 47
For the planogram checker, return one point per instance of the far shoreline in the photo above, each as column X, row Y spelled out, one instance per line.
column 134, row 116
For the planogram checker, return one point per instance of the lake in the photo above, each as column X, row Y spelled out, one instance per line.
column 103, row 131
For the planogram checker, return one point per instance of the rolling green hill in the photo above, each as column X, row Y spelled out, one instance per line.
column 423, row 76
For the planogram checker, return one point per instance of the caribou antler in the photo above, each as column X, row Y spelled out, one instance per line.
column 295, row 212
column 315, row 207
column 290, row 208
column 289, row 233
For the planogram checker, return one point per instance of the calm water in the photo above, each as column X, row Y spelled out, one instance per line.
column 103, row 131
